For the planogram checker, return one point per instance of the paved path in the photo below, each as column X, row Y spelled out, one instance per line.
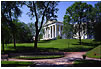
column 65, row 61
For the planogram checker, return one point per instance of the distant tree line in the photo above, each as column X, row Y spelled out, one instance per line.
column 24, row 32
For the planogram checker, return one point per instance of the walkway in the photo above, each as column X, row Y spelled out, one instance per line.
column 68, row 60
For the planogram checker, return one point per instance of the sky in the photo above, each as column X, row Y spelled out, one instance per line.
column 62, row 6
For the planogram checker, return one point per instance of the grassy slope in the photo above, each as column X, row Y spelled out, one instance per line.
column 55, row 45
column 95, row 53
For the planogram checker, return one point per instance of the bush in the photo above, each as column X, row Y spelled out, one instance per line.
column 84, row 57
column 59, row 37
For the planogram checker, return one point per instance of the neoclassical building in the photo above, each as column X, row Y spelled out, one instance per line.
column 52, row 29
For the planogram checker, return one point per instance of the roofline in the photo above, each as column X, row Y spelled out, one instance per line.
column 52, row 22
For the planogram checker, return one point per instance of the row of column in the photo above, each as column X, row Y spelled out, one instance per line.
column 51, row 32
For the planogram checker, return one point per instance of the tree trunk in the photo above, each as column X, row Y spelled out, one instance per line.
column 80, row 33
column 14, row 41
column 3, row 45
column 36, row 39
column 79, row 39
column 35, row 43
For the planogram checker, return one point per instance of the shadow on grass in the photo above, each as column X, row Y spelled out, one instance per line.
column 94, row 44
column 70, row 49
column 87, row 63
column 76, row 49
column 19, row 49
column 45, row 41
column 23, row 49
column 14, row 65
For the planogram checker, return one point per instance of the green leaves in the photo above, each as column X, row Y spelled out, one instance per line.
column 77, row 13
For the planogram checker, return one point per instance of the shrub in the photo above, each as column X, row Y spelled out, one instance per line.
column 59, row 37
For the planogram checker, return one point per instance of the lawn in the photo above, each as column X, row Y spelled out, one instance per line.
column 60, row 45
column 57, row 46
column 39, row 57
column 94, row 53
column 16, row 64
column 87, row 63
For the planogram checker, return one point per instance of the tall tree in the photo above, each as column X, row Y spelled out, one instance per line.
column 5, row 34
column 97, row 28
column 41, row 10
column 32, row 28
column 76, row 14
column 24, row 32
column 67, row 28
column 9, row 11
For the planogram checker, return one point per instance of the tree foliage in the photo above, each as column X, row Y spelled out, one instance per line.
column 77, row 14
column 9, row 11
column 41, row 10
column 24, row 33
column 97, row 27
column 67, row 28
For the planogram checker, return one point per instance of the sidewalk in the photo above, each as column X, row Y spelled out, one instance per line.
column 68, row 60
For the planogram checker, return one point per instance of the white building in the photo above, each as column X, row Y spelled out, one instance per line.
column 54, row 28
column 83, row 31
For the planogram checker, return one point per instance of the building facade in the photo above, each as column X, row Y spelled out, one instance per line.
column 53, row 29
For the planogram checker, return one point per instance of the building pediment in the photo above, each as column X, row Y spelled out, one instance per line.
column 51, row 22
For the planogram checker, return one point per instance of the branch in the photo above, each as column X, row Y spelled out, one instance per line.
column 43, row 17
column 36, row 23
column 5, row 19
column 35, row 11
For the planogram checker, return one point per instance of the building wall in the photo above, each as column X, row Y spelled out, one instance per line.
column 52, row 30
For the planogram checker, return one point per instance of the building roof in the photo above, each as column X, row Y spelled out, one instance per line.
column 51, row 22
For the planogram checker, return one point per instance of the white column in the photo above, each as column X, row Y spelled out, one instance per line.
column 52, row 31
column 45, row 33
column 48, row 33
column 55, row 30
column 59, row 31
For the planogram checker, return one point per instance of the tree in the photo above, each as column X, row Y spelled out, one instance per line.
column 32, row 28
column 41, row 10
column 67, row 28
column 9, row 11
column 24, row 32
column 97, row 27
column 76, row 14
column 5, row 34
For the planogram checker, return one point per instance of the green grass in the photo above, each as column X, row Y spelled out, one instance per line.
column 87, row 63
column 64, row 45
column 16, row 64
column 94, row 53
column 39, row 57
